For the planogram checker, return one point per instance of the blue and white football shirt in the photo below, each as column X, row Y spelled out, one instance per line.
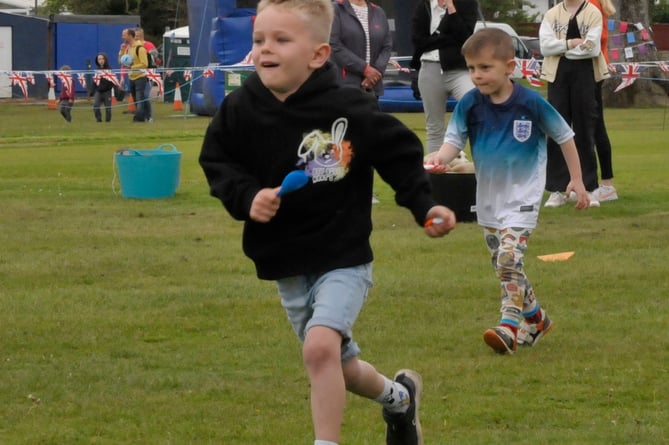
column 508, row 143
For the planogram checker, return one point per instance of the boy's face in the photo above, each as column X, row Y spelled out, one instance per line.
column 285, row 52
column 490, row 75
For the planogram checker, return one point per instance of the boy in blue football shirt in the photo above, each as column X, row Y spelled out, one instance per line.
column 507, row 126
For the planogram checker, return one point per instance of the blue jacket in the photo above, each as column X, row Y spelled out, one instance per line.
column 349, row 45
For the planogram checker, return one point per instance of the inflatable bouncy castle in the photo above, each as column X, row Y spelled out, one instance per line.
column 220, row 40
column 223, row 40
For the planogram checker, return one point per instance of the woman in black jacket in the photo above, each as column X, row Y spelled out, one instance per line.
column 439, row 28
column 102, row 89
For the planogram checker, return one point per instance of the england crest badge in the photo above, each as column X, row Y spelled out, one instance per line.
column 522, row 130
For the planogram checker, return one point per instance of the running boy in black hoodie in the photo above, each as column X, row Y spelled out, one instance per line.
column 291, row 114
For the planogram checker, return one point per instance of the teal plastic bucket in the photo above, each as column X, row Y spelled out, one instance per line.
column 148, row 173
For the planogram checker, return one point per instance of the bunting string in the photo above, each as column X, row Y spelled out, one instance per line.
column 529, row 69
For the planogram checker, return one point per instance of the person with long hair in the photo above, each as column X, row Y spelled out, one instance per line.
column 606, row 191
column 102, row 90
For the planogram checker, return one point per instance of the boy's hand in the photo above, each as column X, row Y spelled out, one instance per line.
column 582, row 197
column 439, row 221
column 433, row 164
column 265, row 205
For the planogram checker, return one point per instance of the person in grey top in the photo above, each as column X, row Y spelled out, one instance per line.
column 361, row 44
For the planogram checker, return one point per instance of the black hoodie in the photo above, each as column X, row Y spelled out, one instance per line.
column 253, row 141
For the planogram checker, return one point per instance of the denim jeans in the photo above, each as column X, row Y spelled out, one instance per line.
column 138, row 91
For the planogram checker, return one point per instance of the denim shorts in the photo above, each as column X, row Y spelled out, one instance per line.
column 332, row 299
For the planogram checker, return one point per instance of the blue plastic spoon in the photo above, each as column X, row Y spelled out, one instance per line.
column 293, row 181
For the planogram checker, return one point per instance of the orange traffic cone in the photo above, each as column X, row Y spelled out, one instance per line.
column 114, row 102
column 178, row 104
column 51, row 98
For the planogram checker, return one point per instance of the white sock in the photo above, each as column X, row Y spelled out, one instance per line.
column 395, row 397
column 324, row 442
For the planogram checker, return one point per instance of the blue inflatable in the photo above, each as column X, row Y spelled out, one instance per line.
column 226, row 39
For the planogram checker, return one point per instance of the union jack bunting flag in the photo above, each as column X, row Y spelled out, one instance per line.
column 529, row 69
column 630, row 73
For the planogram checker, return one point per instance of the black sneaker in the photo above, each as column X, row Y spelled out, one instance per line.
column 404, row 428
column 501, row 339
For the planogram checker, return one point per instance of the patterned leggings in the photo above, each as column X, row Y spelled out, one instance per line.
column 507, row 250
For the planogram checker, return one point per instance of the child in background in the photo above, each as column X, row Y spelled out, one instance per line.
column 66, row 98
column 102, row 89
column 290, row 114
column 507, row 126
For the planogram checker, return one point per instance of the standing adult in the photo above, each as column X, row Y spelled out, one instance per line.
column 570, row 38
column 361, row 44
column 606, row 190
column 102, row 89
column 136, row 73
column 152, row 52
column 439, row 29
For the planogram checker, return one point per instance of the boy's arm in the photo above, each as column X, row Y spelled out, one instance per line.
column 576, row 181
column 227, row 179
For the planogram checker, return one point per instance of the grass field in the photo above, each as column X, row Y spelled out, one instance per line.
column 141, row 322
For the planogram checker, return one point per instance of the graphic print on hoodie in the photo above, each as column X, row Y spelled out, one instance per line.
column 326, row 157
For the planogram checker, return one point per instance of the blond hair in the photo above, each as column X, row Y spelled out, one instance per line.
column 317, row 14
column 494, row 38
column 607, row 7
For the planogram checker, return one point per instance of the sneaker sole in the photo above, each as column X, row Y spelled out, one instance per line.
column 418, row 386
column 608, row 198
column 493, row 340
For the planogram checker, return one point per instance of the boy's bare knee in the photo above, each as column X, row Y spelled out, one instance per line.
column 322, row 345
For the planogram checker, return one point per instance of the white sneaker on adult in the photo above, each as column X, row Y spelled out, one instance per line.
column 606, row 193
column 555, row 199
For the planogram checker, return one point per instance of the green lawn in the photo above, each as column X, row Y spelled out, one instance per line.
column 141, row 322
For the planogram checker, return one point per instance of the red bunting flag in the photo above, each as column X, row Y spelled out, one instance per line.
column 156, row 78
column 22, row 80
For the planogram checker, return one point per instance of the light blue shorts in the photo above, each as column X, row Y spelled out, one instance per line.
column 333, row 299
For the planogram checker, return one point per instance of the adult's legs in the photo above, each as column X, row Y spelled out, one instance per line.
column 97, row 101
column 148, row 114
column 140, row 98
column 557, row 174
column 602, row 142
column 584, row 117
column 434, row 95
column 458, row 82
